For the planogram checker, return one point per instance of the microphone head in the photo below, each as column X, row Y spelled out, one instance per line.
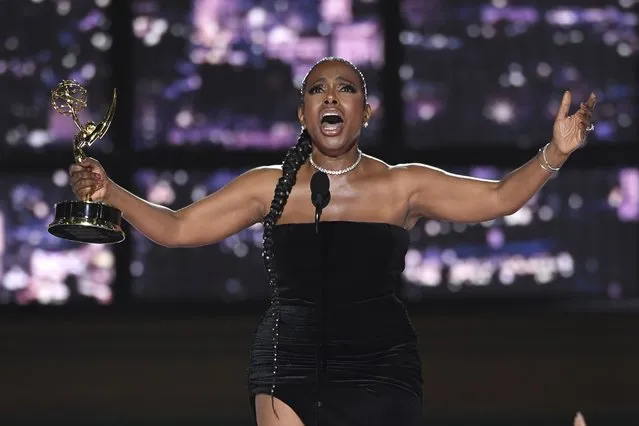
column 320, row 183
column 320, row 190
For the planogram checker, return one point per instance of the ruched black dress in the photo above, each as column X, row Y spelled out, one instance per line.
column 337, row 333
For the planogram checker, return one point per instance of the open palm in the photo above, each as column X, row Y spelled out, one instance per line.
column 569, row 131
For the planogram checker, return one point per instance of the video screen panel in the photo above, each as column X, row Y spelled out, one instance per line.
column 227, row 72
column 577, row 238
column 37, row 268
column 493, row 72
column 231, row 270
column 45, row 42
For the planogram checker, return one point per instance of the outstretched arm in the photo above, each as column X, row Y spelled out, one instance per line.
column 234, row 207
column 446, row 196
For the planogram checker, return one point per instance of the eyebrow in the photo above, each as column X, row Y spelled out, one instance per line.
column 340, row 78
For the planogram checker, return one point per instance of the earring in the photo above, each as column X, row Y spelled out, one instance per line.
column 366, row 124
column 303, row 126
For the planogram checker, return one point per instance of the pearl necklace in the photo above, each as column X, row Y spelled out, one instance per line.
column 338, row 172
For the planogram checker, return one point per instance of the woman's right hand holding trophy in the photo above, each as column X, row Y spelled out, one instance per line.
column 89, row 181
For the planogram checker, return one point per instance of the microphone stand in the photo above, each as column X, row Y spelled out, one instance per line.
column 319, row 316
column 321, row 313
column 321, row 196
column 318, row 215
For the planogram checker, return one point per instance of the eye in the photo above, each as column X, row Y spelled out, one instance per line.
column 348, row 88
column 315, row 89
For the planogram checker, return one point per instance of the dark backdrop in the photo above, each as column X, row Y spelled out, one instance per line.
column 499, row 368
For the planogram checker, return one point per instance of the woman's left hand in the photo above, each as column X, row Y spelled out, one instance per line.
column 579, row 420
column 569, row 131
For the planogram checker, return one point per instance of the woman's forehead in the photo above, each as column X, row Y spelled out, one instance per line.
column 331, row 70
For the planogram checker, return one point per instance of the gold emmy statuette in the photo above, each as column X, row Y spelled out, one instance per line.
column 84, row 221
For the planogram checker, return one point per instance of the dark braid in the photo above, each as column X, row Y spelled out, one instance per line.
column 295, row 157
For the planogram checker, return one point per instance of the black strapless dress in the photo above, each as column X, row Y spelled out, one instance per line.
column 338, row 334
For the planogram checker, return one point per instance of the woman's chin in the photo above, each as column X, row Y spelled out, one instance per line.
column 333, row 145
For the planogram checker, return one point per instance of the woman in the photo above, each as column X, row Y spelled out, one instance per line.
column 347, row 355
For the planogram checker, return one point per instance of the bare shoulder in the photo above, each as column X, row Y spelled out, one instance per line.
column 261, row 179
column 401, row 175
column 411, row 176
column 392, row 177
column 375, row 165
column 410, row 170
column 411, row 180
column 275, row 170
column 263, row 174
column 390, row 183
column 258, row 184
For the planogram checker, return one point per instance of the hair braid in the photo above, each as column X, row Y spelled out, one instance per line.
column 295, row 157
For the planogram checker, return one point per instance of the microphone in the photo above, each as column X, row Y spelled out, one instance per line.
column 320, row 194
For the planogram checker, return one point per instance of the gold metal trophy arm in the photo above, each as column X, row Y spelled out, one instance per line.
column 91, row 132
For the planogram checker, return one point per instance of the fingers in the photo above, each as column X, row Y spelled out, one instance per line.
column 564, row 107
column 589, row 106
column 591, row 102
column 86, row 178
column 87, row 163
column 579, row 420
column 584, row 116
column 84, row 189
column 85, row 182
column 585, row 109
column 87, row 169
column 582, row 132
column 78, row 174
column 81, row 184
column 75, row 168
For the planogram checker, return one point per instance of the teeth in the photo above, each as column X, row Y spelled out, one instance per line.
column 331, row 118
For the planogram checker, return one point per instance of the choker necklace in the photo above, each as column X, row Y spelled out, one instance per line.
column 338, row 172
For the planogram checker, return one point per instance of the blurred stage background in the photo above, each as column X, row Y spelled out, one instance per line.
column 522, row 321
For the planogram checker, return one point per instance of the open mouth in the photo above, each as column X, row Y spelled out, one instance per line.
column 331, row 122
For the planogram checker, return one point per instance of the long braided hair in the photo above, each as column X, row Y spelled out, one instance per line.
column 294, row 159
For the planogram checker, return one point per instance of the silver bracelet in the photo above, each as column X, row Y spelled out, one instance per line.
column 544, row 164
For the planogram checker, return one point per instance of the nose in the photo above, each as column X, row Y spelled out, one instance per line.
column 330, row 99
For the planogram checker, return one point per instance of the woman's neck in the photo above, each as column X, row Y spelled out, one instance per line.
column 335, row 163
